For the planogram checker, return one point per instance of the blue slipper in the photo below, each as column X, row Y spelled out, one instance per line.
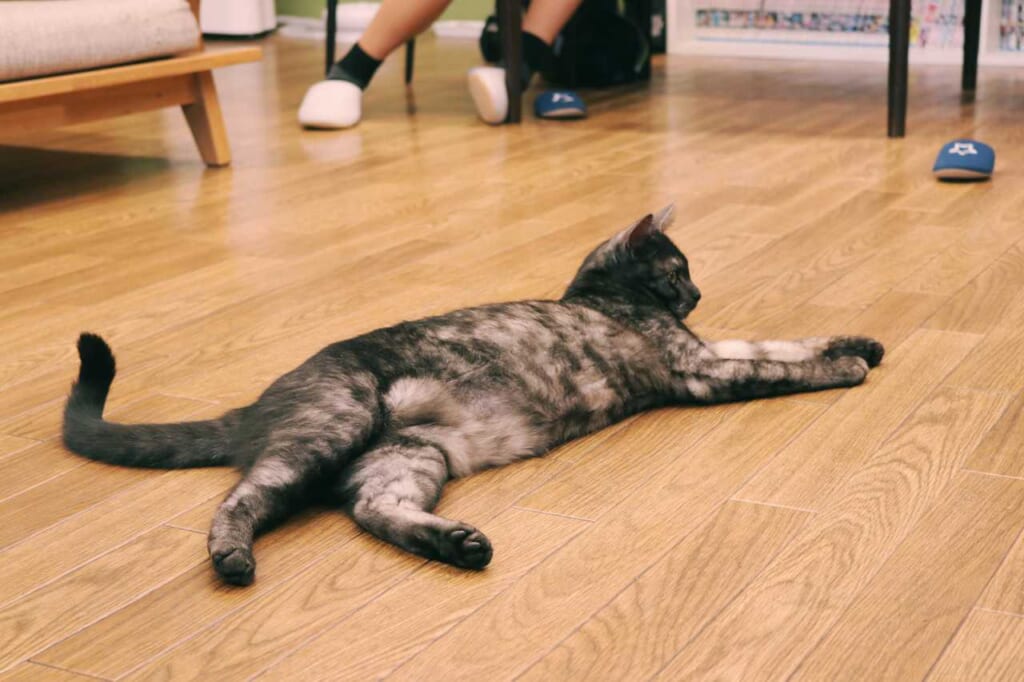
column 965, row 160
column 559, row 104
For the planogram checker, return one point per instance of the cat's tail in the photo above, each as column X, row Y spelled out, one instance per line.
column 158, row 446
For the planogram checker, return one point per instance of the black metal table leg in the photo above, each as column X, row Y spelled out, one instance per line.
column 972, row 34
column 332, row 25
column 510, row 18
column 899, row 49
column 410, row 59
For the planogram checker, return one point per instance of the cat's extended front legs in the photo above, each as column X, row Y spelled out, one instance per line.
column 799, row 350
column 718, row 381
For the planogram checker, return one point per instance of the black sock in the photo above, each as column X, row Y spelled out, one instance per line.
column 537, row 56
column 355, row 67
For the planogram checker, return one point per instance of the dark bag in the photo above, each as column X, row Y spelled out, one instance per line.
column 597, row 48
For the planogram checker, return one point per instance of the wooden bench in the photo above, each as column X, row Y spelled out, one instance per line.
column 184, row 80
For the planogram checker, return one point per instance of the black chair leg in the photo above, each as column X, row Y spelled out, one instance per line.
column 510, row 18
column 410, row 59
column 644, row 17
column 899, row 49
column 972, row 34
column 332, row 33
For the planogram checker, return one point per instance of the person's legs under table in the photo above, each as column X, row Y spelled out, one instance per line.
column 543, row 21
column 337, row 101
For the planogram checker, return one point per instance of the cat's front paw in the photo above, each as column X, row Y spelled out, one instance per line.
column 858, row 346
column 465, row 547
column 849, row 370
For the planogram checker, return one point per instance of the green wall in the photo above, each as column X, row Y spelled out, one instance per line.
column 459, row 9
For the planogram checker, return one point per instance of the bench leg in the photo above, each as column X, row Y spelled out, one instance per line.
column 207, row 123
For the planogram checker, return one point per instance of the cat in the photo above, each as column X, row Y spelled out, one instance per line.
column 379, row 423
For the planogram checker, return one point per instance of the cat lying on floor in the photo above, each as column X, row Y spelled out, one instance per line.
column 379, row 423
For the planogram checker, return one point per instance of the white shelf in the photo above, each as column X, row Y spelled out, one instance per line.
column 816, row 52
column 684, row 37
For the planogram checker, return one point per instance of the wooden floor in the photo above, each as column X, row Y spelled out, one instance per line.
column 866, row 535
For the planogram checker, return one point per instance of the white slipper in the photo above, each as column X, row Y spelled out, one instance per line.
column 331, row 104
column 487, row 87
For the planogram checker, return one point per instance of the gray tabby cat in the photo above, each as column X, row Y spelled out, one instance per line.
column 379, row 423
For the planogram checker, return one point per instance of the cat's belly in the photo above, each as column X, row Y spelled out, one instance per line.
column 483, row 429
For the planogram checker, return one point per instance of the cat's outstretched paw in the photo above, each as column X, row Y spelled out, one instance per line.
column 235, row 566
column 850, row 370
column 858, row 346
column 465, row 547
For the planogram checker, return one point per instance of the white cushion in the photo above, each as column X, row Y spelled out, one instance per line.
column 41, row 37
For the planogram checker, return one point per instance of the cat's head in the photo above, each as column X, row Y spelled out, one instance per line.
column 643, row 260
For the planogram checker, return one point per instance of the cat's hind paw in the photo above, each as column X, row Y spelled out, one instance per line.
column 858, row 346
column 465, row 547
column 235, row 566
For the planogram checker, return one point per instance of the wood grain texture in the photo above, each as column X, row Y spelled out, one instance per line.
column 1000, row 452
column 129, row 73
column 996, row 364
column 799, row 219
column 809, row 469
column 206, row 121
column 768, row 630
column 34, row 672
column 988, row 227
column 895, row 316
column 987, row 648
column 67, row 109
column 636, row 634
column 380, row 637
column 959, row 545
column 10, row 445
column 609, row 473
column 110, row 523
column 985, row 300
column 1006, row 591
column 193, row 600
column 43, row 617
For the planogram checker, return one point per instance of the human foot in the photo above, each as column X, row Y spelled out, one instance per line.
column 487, row 87
column 331, row 104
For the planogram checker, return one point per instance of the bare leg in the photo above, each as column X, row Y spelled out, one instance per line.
column 396, row 22
column 391, row 491
column 719, row 381
column 800, row 350
column 337, row 102
column 546, row 18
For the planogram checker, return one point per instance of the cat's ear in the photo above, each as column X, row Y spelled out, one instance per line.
column 642, row 231
column 665, row 217
column 636, row 234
